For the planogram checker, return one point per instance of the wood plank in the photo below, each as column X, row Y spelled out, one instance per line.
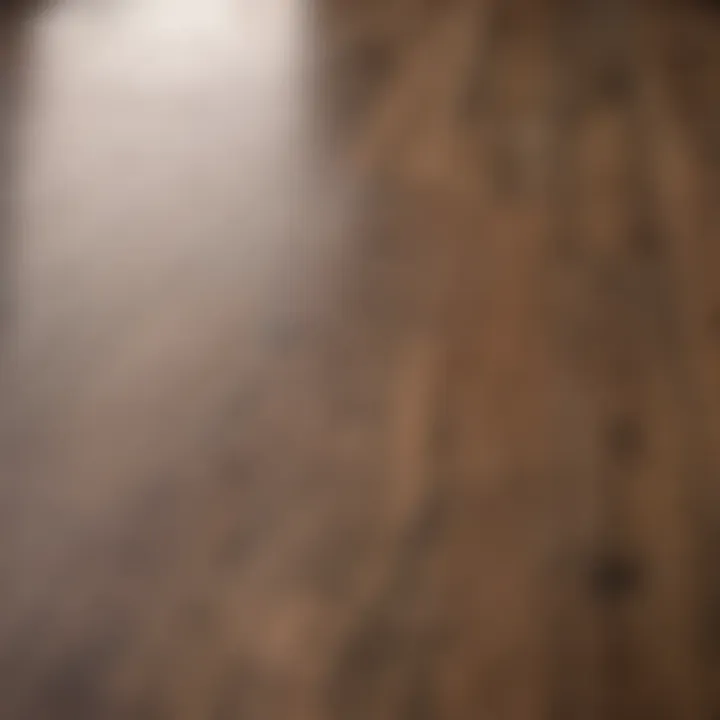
column 681, row 65
column 629, row 440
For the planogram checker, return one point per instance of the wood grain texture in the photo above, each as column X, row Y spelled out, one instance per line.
column 360, row 360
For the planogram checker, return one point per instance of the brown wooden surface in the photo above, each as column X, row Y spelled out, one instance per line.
column 360, row 360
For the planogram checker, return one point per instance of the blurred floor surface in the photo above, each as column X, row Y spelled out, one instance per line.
column 360, row 361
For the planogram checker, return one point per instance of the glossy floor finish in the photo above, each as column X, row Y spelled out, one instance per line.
column 360, row 361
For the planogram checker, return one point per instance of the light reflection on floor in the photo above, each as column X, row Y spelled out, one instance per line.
column 165, row 154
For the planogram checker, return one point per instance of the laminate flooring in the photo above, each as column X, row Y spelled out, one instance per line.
column 360, row 360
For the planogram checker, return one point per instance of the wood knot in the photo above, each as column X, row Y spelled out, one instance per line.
column 614, row 577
